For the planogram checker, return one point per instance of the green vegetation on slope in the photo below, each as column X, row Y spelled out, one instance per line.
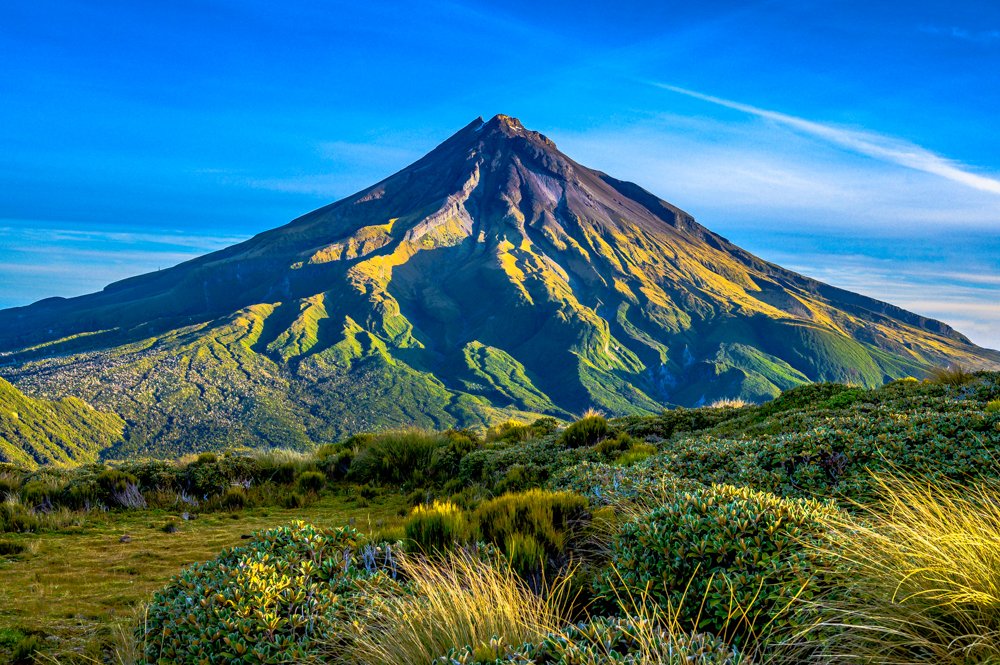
column 63, row 432
column 734, row 503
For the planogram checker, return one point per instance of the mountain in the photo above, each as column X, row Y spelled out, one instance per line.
column 65, row 432
column 493, row 278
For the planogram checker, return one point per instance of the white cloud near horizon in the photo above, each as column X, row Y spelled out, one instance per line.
column 877, row 146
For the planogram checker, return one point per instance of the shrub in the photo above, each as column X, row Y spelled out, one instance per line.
column 612, row 447
column 921, row 570
column 459, row 601
column 267, row 601
column 437, row 527
column 548, row 519
column 207, row 458
column 17, row 518
column 631, row 641
column 636, row 453
column 410, row 456
column 312, row 481
column 587, row 431
column 709, row 554
column 235, row 498
column 293, row 500
column 993, row 406
column 952, row 375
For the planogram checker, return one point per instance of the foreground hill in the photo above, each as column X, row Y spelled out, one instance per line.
column 494, row 277
column 68, row 431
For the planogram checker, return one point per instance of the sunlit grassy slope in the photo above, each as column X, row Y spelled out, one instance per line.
column 67, row 431
column 493, row 277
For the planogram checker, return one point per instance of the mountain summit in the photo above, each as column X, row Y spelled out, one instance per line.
column 495, row 277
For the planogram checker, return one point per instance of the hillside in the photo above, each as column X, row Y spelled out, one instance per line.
column 64, row 432
column 494, row 277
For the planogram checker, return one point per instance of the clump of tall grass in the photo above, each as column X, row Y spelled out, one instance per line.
column 457, row 601
column 729, row 403
column 952, row 375
column 919, row 577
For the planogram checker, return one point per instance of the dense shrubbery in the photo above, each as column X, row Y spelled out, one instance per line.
column 268, row 601
column 588, row 431
column 718, row 553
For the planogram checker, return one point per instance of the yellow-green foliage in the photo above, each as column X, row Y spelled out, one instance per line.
column 725, row 559
column 267, row 601
column 546, row 516
column 921, row 576
column 65, row 432
column 459, row 602
column 587, row 431
column 993, row 406
column 437, row 527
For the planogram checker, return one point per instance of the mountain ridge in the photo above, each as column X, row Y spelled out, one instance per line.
column 494, row 277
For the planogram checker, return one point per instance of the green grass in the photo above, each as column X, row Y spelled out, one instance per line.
column 75, row 584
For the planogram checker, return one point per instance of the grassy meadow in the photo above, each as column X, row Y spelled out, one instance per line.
column 832, row 524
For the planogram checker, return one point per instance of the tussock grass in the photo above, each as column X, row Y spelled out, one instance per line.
column 456, row 601
column 952, row 375
column 919, row 577
column 729, row 403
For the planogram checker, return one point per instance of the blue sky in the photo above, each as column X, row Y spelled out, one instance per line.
column 853, row 141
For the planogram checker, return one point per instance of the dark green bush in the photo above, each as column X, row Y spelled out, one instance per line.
column 312, row 481
column 17, row 518
column 437, row 527
column 587, row 431
column 711, row 553
column 235, row 498
column 614, row 446
column 293, row 500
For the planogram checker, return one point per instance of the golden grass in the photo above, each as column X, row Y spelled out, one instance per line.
column 458, row 601
column 729, row 403
column 952, row 375
column 919, row 580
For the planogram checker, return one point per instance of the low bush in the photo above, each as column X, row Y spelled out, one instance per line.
column 267, row 601
column 235, row 498
column 711, row 554
column 311, row 481
column 412, row 457
column 993, row 406
column 17, row 518
column 534, row 527
column 437, row 527
column 586, row 431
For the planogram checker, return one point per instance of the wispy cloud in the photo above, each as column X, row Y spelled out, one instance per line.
column 877, row 146
column 975, row 36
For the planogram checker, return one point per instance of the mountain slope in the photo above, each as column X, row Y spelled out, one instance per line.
column 65, row 432
column 493, row 277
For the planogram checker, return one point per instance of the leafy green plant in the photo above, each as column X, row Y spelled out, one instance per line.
column 712, row 554
column 533, row 527
column 437, row 527
column 311, row 481
column 586, row 431
column 267, row 601
column 993, row 406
